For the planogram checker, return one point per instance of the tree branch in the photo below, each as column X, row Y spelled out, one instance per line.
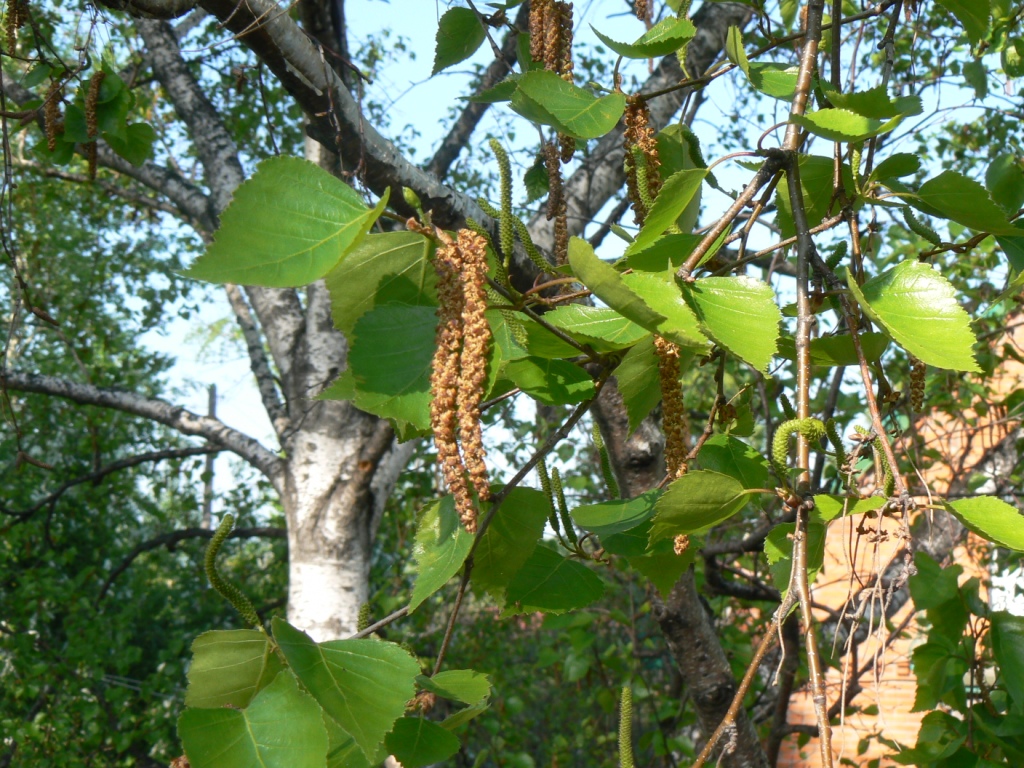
column 160, row 411
column 151, row 9
column 169, row 540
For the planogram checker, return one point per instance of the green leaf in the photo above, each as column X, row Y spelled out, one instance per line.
column 975, row 15
column 917, row 307
column 933, row 585
column 992, row 519
column 665, row 37
column 616, row 516
column 1008, row 647
column 816, row 186
column 896, row 166
column 459, row 34
column 553, row 382
column 136, row 143
column 874, row 103
column 390, row 360
column 663, row 568
column 602, row 328
column 834, row 351
column 545, row 98
column 510, row 539
column 417, row 742
column 661, row 293
column 828, row 508
column 843, row 125
column 1012, row 57
column 391, row 268
column 770, row 78
column 639, row 381
column 964, row 201
column 551, row 583
column 732, row 457
column 738, row 313
column 440, row 549
column 463, row 685
column 697, row 502
column 1005, row 181
column 343, row 752
column 607, row 285
column 778, row 548
column 676, row 194
column 281, row 728
column 287, row 226
column 976, row 76
column 362, row 684
column 666, row 253
column 503, row 91
column 229, row 667
column 463, row 716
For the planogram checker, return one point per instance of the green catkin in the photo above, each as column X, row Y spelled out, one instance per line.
column 606, row 463
column 505, row 217
column 684, row 9
column 225, row 589
column 837, row 255
column 364, row 617
column 626, row 728
column 832, row 431
column 812, row 429
column 515, row 328
column 545, row 485
column 919, row 228
column 531, row 249
column 500, row 269
column 787, row 406
column 563, row 508
column 643, row 185
column 855, row 157
column 888, row 481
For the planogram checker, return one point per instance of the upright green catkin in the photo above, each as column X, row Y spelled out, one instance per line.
column 606, row 463
column 626, row 728
column 855, row 158
column 531, row 249
column 837, row 255
column 228, row 591
column 364, row 617
column 787, row 406
column 505, row 217
column 888, row 479
column 832, row 431
column 563, row 508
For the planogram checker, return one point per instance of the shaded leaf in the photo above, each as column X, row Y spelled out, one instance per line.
column 417, row 742
column 695, row 503
column 463, row 685
column 551, row 583
column 732, row 457
column 602, row 328
column 676, row 194
column 281, row 728
column 975, row 15
column 544, row 97
column 440, row 549
column 229, row 667
column 665, row 37
column 510, row 539
column 553, row 382
column 639, row 381
column 610, row 517
column 964, row 201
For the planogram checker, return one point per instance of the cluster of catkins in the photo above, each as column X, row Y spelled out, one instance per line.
column 551, row 43
column 15, row 18
column 643, row 180
column 459, row 373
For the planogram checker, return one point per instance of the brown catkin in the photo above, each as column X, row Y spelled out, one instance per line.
column 51, row 113
column 917, row 371
column 17, row 11
column 681, row 543
column 92, row 97
column 444, row 375
column 473, row 362
column 90, row 157
column 643, row 10
column 640, row 136
column 563, row 62
column 459, row 370
column 556, row 202
column 538, row 16
column 674, row 420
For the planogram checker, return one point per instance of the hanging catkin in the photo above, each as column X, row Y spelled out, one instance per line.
column 459, row 371
column 674, row 420
column 557, row 208
column 643, row 180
